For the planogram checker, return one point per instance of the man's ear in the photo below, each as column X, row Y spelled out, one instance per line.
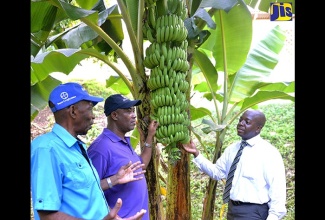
column 72, row 111
column 114, row 115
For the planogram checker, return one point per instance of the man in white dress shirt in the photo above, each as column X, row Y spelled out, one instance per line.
column 258, row 189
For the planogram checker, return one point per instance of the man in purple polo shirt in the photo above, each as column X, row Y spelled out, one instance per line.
column 112, row 148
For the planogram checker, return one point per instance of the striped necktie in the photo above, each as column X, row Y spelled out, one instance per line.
column 226, row 192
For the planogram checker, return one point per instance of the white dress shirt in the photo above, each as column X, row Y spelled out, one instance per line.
column 259, row 177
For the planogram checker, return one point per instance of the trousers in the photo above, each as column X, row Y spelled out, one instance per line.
column 247, row 211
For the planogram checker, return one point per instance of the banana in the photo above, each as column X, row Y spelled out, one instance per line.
column 169, row 100
column 176, row 32
column 154, row 83
column 172, row 118
column 167, row 32
column 166, row 81
column 175, row 64
column 164, row 49
column 158, row 34
column 163, row 100
column 174, row 74
column 171, row 33
column 158, row 81
column 178, row 53
column 174, row 99
column 171, row 82
column 170, row 20
column 162, row 21
column 159, row 72
column 155, row 59
column 162, row 81
column 165, row 72
column 159, row 111
column 169, row 64
column 152, row 17
column 162, row 62
column 157, row 54
column 165, row 120
column 168, row 119
column 158, row 22
column 146, row 62
column 154, row 103
column 162, row 34
column 173, row 53
column 176, row 117
column 164, row 111
column 159, row 101
column 181, row 85
column 166, row 20
column 150, row 37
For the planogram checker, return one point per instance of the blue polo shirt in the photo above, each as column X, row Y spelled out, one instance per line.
column 108, row 153
column 61, row 178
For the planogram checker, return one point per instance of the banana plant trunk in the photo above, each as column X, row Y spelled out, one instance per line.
column 178, row 189
column 210, row 195
column 155, row 201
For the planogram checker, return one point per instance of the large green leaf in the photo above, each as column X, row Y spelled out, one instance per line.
column 63, row 60
column 40, row 93
column 262, row 96
column 231, row 40
column 207, row 68
column 116, row 83
column 259, row 65
column 83, row 33
column 199, row 112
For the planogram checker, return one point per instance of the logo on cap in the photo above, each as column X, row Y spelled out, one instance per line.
column 64, row 95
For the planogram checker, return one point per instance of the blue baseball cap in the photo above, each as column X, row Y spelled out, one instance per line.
column 117, row 101
column 68, row 94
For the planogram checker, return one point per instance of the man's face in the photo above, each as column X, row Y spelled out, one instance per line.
column 247, row 126
column 126, row 118
column 84, row 117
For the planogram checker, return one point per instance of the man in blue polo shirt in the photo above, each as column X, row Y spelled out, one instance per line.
column 112, row 148
column 64, row 183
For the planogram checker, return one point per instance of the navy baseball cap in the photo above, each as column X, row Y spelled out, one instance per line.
column 117, row 101
column 70, row 93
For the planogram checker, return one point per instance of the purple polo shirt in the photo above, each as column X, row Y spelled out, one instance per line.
column 108, row 153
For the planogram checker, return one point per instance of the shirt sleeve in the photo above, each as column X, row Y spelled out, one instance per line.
column 215, row 171
column 276, row 179
column 47, row 192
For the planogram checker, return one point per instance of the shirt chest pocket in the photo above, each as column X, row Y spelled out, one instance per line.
column 79, row 175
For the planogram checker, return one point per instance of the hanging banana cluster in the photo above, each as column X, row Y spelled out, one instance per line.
column 166, row 57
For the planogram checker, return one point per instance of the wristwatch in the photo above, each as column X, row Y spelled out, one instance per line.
column 147, row 145
column 110, row 185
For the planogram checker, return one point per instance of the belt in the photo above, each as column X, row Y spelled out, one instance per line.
column 244, row 203
column 239, row 202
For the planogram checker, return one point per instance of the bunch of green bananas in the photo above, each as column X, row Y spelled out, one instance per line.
column 166, row 57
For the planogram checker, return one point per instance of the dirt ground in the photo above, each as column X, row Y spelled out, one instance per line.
column 41, row 124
